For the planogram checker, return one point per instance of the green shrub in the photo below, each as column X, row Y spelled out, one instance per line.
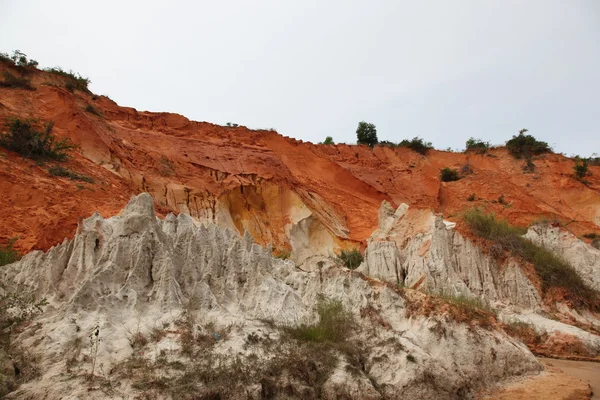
column 366, row 133
column 19, row 59
column 387, row 143
column 74, row 80
column 334, row 324
column 350, row 258
column 417, row 144
column 25, row 138
column 526, row 146
column 581, row 169
column 67, row 173
column 449, row 175
column 591, row 236
column 477, row 145
column 328, row 140
column 92, row 110
column 8, row 254
column 552, row 270
column 471, row 197
column 12, row 81
column 411, row 358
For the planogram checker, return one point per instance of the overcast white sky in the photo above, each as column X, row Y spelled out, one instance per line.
column 442, row 70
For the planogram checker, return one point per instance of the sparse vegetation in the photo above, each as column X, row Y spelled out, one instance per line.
column 411, row 358
column 387, row 143
column 471, row 197
column 417, row 144
column 92, row 110
column 334, row 324
column 366, row 133
column 67, row 173
column 526, row 146
column 591, row 236
column 524, row 331
column 303, row 356
column 501, row 200
column 26, row 138
column 350, row 258
column 166, row 167
column 465, row 303
column 12, row 81
column 16, row 311
column 552, row 270
column 74, row 80
column 232, row 125
column 18, row 59
column 328, row 140
column 477, row 145
column 449, row 175
column 581, row 169
column 8, row 254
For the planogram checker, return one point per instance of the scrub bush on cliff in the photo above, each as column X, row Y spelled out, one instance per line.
column 30, row 140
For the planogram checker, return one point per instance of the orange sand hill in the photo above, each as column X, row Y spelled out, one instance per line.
column 255, row 180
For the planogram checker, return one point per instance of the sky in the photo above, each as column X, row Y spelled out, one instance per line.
column 441, row 70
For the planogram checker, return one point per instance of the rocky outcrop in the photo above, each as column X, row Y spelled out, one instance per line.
column 136, row 274
column 584, row 258
column 416, row 248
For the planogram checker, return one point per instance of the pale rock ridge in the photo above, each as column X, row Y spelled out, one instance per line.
column 584, row 258
column 416, row 248
column 136, row 270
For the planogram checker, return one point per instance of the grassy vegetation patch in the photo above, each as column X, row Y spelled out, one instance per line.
column 296, row 365
column 30, row 140
column 92, row 110
column 13, row 81
column 74, row 81
column 8, row 254
column 67, row 173
column 552, row 270
column 350, row 258
column 334, row 324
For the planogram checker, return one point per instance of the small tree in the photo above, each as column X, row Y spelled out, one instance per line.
column 328, row 140
column 366, row 133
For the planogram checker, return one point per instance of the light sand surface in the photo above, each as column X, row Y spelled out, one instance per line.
column 587, row 371
column 555, row 383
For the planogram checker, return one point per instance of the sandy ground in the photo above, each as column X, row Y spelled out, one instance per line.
column 587, row 371
column 562, row 380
